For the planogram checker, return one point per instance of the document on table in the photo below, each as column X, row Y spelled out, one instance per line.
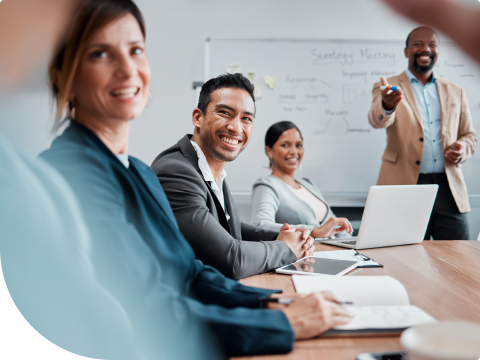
column 380, row 303
column 385, row 317
column 344, row 255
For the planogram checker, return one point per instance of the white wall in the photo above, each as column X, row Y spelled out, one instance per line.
column 176, row 31
column 176, row 34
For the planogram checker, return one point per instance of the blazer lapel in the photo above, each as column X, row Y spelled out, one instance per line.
column 235, row 226
column 152, row 184
column 443, row 97
column 410, row 96
column 190, row 154
column 306, row 184
column 222, row 218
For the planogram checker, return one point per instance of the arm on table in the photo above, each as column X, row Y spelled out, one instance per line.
column 161, row 314
column 187, row 194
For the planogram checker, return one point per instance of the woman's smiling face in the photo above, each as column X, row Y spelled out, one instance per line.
column 287, row 152
column 113, row 77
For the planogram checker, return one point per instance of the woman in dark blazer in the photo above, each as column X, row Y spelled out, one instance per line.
column 283, row 198
column 103, row 76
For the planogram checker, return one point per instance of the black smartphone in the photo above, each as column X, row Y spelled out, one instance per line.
column 388, row 355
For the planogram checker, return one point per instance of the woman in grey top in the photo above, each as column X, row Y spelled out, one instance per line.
column 281, row 198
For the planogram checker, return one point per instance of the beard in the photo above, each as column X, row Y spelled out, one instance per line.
column 208, row 142
column 423, row 68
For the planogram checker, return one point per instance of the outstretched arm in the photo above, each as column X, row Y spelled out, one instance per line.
column 459, row 22
column 235, row 258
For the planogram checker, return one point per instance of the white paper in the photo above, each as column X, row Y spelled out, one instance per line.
column 385, row 317
column 361, row 290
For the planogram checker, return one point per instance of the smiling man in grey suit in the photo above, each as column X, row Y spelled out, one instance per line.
column 192, row 173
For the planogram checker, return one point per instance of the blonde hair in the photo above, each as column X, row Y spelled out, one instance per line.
column 89, row 17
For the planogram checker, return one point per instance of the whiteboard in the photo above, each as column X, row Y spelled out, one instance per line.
column 325, row 88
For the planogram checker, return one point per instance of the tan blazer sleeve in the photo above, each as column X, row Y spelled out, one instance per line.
column 377, row 116
column 466, row 132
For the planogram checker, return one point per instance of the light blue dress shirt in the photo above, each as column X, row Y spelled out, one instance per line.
column 428, row 103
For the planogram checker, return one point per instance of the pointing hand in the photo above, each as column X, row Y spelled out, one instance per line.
column 390, row 98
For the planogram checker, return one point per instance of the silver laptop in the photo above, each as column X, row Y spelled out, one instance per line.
column 393, row 215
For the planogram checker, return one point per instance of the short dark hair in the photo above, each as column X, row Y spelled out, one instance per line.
column 223, row 81
column 411, row 32
column 276, row 130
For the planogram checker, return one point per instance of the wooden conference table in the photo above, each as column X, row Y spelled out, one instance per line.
column 441, row 277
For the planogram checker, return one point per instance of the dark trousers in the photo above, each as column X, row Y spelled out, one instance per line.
column 446, row 222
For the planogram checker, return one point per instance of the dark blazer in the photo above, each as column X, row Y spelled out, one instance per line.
column 235, row 249
column 130, row 219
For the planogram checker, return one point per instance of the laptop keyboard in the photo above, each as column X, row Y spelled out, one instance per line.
column 351, row 242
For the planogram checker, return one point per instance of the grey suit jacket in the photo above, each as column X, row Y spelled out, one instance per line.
column 236, row 249
column 274, row 204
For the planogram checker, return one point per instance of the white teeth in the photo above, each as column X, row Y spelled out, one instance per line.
column 230, row 141
column 126, row 93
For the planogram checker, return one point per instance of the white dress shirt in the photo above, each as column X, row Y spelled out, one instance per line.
column 428, row 103
column 124, row 160
column 215, row 184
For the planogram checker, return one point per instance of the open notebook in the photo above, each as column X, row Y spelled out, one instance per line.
column 380, row 303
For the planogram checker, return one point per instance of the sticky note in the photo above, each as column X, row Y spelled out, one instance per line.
column 233, row 68
column 270, row 81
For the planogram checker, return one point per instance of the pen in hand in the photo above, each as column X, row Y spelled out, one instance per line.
column 287, row 301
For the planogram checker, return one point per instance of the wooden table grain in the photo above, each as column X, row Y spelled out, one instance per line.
column 441, row 277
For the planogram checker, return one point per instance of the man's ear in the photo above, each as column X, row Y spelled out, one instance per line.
column 406, row 52
column 197, row 118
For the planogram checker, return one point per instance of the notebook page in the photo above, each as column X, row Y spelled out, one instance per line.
column 361, row 290
column 385, row 317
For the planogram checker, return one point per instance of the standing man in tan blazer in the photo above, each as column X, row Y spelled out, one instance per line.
column 429, row 134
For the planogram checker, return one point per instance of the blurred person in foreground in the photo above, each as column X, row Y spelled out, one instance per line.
column 102, row 76
column 429, row 134
column 459, row 22
column 44, row 243
column 282, row 197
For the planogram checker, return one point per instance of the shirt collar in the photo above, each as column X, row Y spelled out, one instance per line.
column 412, row 77
column 124, row 159
column 204, row 167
